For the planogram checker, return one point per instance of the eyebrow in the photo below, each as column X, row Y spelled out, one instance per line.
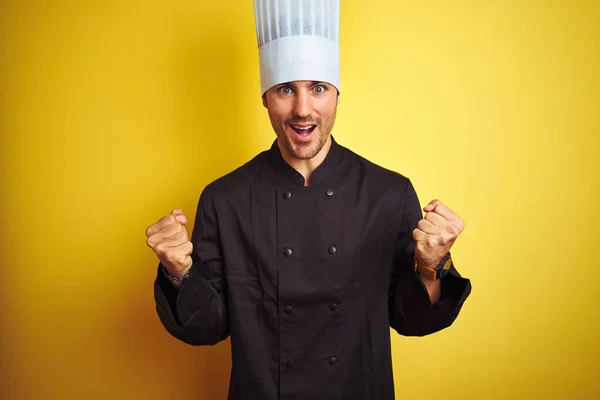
column 312, row 83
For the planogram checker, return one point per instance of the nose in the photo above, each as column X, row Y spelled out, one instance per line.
column 302, row 105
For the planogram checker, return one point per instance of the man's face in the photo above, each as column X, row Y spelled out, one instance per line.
column 302, row 114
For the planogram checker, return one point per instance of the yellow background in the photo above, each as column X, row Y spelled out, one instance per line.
column 114, row 112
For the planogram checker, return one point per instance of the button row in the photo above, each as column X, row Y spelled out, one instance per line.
column 290, row 309
column 288, row 252
column 328, row 192
column 290, row 363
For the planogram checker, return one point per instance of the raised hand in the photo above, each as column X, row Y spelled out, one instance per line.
column 436, row 233
column 168, row 238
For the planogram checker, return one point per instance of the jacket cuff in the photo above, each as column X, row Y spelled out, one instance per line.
column 454, row 291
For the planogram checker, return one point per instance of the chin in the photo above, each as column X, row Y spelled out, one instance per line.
column 306, row 150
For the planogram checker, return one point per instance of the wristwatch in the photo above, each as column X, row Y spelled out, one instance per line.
column 435, row 273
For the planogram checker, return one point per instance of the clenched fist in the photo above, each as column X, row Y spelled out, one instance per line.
column 435, row 234
column 169, row 240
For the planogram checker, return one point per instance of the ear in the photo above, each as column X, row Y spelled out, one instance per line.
column 338, row 98
column 264, row 100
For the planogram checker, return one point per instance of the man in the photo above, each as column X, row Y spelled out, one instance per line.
column 307, row 254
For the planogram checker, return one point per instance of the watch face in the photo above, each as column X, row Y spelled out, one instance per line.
column 441, row 264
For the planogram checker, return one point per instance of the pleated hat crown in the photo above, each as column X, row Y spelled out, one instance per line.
column 298, row 40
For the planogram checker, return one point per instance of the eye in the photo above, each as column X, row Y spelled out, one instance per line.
column 319, row 89
column 285, row 90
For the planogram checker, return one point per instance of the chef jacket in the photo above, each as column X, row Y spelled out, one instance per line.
column 307, row 280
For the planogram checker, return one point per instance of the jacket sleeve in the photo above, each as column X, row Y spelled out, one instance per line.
column 197, row 315
column 411, row 311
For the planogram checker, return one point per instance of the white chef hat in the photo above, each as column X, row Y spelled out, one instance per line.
column 298, row 40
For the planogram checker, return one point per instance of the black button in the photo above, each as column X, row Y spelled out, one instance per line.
column 289, row 363
column 287, row 195
column 329, row 192
column 332, row 360
column 287, row 252
column 333, row 306
column 289, row 309
column 331, row 250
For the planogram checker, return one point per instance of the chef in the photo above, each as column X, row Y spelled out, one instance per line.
column 306, row 255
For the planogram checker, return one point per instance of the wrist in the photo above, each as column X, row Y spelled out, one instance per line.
column 176, row 277
column 429, row 272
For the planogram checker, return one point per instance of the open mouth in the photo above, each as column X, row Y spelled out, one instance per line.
column 303, row 130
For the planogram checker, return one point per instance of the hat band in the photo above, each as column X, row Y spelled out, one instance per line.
column 298, row 58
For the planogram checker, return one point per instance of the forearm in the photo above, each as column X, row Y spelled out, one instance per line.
column 179, row 280
column 193, row 310
column 420, row 306
column 434, row 288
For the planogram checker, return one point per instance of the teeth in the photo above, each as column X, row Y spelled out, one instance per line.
column 304, row 129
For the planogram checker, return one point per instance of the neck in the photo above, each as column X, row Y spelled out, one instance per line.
column 306, row 166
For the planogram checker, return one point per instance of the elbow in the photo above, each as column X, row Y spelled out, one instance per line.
column 200, row 330
column 406, row 329
column 204, row 331
column 425, row 327
column 198, row 337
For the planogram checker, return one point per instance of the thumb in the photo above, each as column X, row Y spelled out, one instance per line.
column 432, row 204
column 179, row 216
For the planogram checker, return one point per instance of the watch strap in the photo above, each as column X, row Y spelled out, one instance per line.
column 434, row 273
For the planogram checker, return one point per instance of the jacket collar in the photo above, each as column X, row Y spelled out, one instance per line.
column 328, row 173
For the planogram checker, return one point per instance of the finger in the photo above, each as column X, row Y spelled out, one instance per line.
column 436, row 219
column 170, row 230
column 428, row 227
column 445, row 212
column 161, row 223
column 179, row 215
column 419, row 235
column 165, row 233
column 185, row 248
column 173, row 241
column 429, row 207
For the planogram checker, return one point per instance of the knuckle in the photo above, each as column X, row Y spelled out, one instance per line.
column 451, row 230
column 170, row 255
column 457, row 231
column 168, row 219
column 161, row 249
